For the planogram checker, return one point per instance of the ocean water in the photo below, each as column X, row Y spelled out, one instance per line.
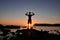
column 50, row 29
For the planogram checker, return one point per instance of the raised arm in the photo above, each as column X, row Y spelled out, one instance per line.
column 26, row 14
column 33, row 14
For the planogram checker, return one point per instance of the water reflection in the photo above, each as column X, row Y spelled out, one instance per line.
column 46, row 28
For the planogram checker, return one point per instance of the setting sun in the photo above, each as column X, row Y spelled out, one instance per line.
column 29, row 26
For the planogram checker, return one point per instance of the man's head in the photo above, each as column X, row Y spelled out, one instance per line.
column 29, row 13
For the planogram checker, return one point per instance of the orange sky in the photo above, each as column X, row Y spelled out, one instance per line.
column 7, row 22
column 24, row 23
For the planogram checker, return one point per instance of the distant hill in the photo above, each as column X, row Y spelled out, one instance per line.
column 9, row 26
column 46, row 24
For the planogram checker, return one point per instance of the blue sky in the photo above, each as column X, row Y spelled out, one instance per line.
column 13, row 11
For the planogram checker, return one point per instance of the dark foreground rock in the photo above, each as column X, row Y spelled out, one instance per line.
column 31, row 34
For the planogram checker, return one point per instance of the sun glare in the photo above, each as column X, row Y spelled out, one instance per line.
column 29, row 26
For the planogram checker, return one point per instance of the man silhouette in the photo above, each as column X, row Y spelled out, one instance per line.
column 29, row 17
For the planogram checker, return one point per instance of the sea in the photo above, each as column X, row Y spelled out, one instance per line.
column 50, row 29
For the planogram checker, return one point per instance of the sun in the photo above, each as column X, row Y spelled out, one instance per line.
column 29, row 26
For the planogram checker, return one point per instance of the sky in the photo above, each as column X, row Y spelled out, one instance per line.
column 12, row 12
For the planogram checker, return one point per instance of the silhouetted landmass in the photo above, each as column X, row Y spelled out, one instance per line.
column 27, row 34
column 47, row 25
column 9, row 26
